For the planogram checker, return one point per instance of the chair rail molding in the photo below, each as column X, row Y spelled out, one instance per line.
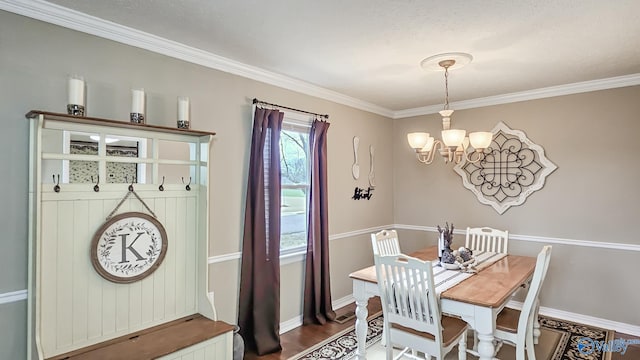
column 542, row 239
column 13, row 296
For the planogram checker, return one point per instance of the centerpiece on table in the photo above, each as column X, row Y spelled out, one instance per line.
column 462, row 258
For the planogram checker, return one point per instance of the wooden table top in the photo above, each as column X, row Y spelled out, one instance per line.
column 490, row 287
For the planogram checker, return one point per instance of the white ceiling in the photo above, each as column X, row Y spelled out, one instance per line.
column 371, row 50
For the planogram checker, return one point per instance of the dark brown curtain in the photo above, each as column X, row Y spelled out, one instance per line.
column 317, row 286
column 259, row 304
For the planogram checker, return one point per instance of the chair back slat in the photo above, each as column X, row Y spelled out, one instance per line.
column 407, row 293
column 487, row 239
column 385, row 242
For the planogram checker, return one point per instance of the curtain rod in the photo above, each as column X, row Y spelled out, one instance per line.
column 260, row 102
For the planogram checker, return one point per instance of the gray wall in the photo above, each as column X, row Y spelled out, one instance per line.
column 593, row 195
column 35, row 60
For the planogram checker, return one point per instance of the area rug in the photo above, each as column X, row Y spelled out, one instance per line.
column 559, row 340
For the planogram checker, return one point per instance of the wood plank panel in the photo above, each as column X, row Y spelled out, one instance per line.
column 94, row 281
column 190, row 231
column 81, row 241
column 64, row 274
column 48, row 284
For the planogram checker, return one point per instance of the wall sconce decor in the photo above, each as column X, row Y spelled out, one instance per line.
column 511, row 169
column 137, row 106
column 75, row 92
column 455, row 143
column 183, row 112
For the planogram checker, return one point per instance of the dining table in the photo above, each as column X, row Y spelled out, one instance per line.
column 477, row 299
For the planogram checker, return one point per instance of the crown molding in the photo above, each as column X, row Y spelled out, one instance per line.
column 552, row 91
column 75, row 20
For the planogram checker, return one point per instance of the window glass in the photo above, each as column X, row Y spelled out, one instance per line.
column 294, row 167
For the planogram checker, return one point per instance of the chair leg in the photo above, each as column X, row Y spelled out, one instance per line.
column 529, row 346
column 388, row 345
column 462, row 347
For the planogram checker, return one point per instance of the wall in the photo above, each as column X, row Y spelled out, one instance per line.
column 592, row 196
column 36, row 59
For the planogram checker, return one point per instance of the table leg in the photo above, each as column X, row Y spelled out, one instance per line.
column 485, row 346
column 362, row 298
column 485, row 323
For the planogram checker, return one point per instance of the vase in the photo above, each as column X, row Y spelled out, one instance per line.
column 238, row 344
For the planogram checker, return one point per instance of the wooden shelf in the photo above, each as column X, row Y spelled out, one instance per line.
column 114, row 123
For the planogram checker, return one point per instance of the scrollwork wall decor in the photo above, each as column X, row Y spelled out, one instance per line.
column 512, row 169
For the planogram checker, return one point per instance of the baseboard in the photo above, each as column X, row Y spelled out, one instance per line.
column 290, row 324
column 342, row 302
column 583, row 319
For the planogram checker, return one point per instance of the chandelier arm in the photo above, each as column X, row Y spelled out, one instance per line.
column 426, row 157
column 469, row 156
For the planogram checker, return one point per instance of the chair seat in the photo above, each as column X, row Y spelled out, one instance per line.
column 507, row 320
column 452, row 328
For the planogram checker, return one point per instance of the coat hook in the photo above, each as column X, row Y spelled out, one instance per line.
column 96, row 187
column 161, row 187
column 56, row 188
column 133, row 179
column 188, row 187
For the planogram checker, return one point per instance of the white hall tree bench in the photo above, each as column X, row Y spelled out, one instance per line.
column 118, row 242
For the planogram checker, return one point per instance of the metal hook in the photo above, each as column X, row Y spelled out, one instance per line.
column 133, row 179
column 161, row 187
column 96, row 187
column 188, row 187
column 56, row 188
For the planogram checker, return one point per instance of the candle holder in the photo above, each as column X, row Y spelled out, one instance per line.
column 75, row 110
column 184, row 124
column 137, row 118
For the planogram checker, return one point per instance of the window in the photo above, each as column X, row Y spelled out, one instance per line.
column 294, row 167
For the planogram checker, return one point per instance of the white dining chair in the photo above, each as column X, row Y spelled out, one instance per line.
column 487, row 239
column 516, row 326
column 411, row 309
column 385, row 242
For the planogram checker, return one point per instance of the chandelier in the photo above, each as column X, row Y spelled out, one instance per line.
column 455, row 144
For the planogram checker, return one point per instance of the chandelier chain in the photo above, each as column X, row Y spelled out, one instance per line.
column 446, row 88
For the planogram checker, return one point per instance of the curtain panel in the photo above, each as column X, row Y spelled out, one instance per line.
column 259, row 303
column 317, row 306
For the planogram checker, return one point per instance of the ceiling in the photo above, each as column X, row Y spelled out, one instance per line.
column 370, row 50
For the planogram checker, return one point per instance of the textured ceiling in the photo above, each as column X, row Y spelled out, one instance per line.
column 371, row 49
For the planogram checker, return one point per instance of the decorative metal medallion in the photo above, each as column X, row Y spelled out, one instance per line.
column 512, row 169
column 128, row 247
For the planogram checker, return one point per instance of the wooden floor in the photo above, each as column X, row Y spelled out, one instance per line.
column 304, row 337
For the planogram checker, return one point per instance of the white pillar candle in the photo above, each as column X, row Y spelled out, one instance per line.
column 183, row 108
column 76, row 91
column 137, row 101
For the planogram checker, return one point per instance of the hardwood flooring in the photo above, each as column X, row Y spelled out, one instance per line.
column 304, row 337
